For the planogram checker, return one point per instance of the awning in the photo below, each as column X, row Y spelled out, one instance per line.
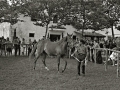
column 90, row 34
column 57, row 27
column 57, row 30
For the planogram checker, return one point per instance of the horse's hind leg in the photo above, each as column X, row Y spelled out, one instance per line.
column 113, row 62
column 43, row 60
column 65, row 65
column 58, row 63
column 35, row 60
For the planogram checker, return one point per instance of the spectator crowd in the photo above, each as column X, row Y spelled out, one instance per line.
column 16, row 47
column 19, row 47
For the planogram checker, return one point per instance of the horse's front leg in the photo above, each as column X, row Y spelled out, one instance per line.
column 58, row 63
column 69, row 53
column 65, row 65
column 113, row 61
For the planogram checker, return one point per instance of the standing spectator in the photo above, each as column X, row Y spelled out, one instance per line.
column 98, row 52
column 88, row 49
column 101, row 43
column 29, row 47
column 107, row 44
column 3, row 49
column 9, row 47
column 15, row 41
column 111, row 46
column 19, row 49
column 23, row 46
column 91, row 51
column 34, row 42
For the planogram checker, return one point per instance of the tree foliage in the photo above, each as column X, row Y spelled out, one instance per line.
column 87, row 14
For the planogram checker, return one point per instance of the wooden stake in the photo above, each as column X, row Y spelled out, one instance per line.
column 106, row 59
column 118, row 66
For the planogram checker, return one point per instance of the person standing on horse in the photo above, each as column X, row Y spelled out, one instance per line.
column 81, row 54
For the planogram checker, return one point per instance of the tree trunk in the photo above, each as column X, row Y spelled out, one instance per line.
column 112, row 31
column 46, row 31
column 83, row 18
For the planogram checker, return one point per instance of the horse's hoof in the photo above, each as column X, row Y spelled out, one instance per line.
column 62, row 71
column 78, row 74
column 47, row 68
column 83, row 75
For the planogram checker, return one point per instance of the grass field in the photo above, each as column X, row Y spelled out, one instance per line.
column 16, row 74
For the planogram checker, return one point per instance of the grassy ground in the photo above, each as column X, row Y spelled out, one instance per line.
column 16, row 74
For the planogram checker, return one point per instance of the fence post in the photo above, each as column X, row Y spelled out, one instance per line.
column 118, row 65
column 106, row 59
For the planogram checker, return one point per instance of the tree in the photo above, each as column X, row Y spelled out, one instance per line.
column 98, row 15
column 91, row 16
column 95, row 15
column 112, row 11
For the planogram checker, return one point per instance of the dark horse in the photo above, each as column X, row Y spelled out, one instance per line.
column 46, row 47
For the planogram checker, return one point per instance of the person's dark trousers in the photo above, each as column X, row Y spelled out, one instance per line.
column 29, row 51
column 79, row 67
column 19, row 51
column 16, row 48
column 92, row 57
column 83, row 69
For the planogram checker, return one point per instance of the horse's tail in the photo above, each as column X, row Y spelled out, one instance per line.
column 33, row 51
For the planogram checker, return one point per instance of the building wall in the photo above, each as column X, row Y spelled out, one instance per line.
column 5, row 29
column 24, row 28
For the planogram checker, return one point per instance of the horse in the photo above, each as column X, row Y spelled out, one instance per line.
column 46, row 47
